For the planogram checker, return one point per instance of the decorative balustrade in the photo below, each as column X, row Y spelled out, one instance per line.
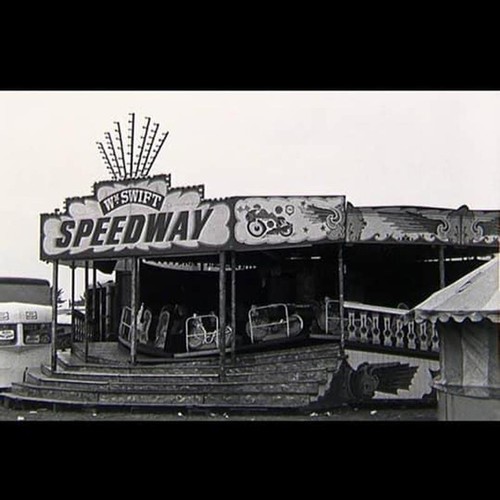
column 78, row 326
column 381, row 326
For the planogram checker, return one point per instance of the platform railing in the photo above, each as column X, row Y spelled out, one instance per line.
column 78, row 326
column 381, row 326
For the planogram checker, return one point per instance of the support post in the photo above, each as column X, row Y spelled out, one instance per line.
column 340, row 257
column 101, row 313
column 133, row 306
column 222, row 312
column 233, row 306
column 95, row 323
column 107, row 329
column 86, row 328
column 73, row 265
column 442, row 277
column 53, row 346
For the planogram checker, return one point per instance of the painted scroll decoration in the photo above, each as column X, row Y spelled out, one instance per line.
column 399, row 224
column 139, row 216
column 422, row 225
column 481, row 227
column 278, row 220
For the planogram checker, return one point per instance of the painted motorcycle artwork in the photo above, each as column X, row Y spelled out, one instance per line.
column 261, row 222
column 274, row 220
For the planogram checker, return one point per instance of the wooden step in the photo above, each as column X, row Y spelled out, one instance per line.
column 76, row 366
column 296, row 377
column 304, row 352
column 305, row 375
column 327, row 362
column 319, row 358
column 231, row 404
column 158, row 388
column 46, row 376
column 275, row 398
column 317, row 377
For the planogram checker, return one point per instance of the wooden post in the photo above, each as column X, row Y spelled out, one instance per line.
column 222, row 311
column 341, row 292
column 233, row 306
column 133, row 306
column 86, row 328
column 73, row 265
column 53, row 346
column 101, row 313
column 109, row 306
column 95, row 323
column 442, row 277
column 138, row 278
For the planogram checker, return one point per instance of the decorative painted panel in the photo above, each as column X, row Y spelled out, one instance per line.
column 290, row 220
column 399, row 224
column 387, row 376
column 135, row 217
column 480, row 227
column 422, row 225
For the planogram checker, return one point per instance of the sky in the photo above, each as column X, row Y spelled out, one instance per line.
column 378, row 148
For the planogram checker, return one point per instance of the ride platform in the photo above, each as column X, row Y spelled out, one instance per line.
column 304, row 377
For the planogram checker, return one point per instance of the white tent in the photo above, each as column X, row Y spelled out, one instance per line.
column 467, row 314
column 475, row 296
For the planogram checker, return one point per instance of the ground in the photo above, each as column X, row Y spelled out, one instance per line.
column 340, row 414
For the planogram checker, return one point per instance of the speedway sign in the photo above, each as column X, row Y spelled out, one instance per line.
column 135, row 217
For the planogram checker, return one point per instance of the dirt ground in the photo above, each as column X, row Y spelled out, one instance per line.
column 368, row 413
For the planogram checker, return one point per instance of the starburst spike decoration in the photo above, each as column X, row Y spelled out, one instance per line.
column 149, row 145
column 121, row 150
column 107, row 162
column 131, row 160
column 156, row 150
column 111, row 148
column 130, row 137
column 143, row 138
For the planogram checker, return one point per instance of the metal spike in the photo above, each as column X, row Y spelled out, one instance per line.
column 162, row 140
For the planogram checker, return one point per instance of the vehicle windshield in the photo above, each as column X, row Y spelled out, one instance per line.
column 28, row 293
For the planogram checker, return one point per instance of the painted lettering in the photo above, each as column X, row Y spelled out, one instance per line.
column 109, row 204
column 134, row 228
column 99, row 230
column 124, row 197
column 157, row 226
column 83, row 231
column 134, row 195
column 180, row 227
column 146, row 197
column 115, row 229
column 128, row 196
column 66, row 234
column 149, row 227
column 156, row 201
column 200, row 221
